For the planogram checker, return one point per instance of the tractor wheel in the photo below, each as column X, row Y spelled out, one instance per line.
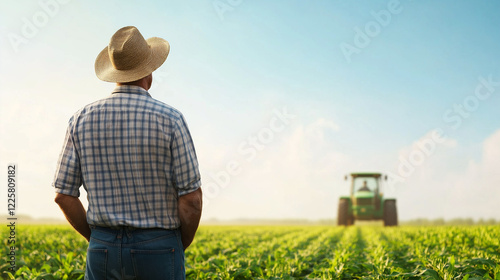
column 343, row 213
column 350, row 221
column 390, row 213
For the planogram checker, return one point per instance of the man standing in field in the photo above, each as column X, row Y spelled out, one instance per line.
column 135, row 158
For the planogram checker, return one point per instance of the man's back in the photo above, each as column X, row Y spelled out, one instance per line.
column 129, row 146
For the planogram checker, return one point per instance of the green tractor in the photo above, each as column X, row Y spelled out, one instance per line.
column 367, row 201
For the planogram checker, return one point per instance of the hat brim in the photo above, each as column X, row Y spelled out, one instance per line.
column 105, row 71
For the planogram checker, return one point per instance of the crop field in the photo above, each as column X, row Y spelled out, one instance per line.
column 289, row 252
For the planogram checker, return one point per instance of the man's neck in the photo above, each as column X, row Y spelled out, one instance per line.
column 143, row 83
column 133, row 84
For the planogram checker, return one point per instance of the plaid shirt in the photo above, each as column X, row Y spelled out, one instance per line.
column 134, row 156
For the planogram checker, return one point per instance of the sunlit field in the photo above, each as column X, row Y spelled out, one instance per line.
column 288, row 252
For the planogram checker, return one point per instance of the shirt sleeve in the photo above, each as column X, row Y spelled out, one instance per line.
column 185, row 164
column 68, row 176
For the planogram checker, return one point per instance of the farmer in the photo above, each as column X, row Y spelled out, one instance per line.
column 364, row 188
column 135, row 158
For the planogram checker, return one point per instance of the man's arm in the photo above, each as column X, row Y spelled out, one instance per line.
column 190, row 213
column 75, row 213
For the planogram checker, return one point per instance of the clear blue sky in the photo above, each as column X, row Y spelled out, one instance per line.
column 413, row 69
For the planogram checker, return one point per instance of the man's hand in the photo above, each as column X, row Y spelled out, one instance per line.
column 75, row 213
column 190, row 213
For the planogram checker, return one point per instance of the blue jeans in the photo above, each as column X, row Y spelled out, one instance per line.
column 129, row 253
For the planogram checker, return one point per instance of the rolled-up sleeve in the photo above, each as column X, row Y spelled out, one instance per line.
column 68, row 176
column 185, row 164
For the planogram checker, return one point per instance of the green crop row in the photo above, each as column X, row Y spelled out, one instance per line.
column 287, row 252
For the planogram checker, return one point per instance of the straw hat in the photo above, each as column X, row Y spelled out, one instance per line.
column 129, row 57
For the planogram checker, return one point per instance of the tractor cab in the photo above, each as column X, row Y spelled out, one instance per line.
column 365, row 193
column 364, row 184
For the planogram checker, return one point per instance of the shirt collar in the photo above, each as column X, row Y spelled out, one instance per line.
column 130, row 89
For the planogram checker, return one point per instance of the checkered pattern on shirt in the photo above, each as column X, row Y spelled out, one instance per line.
column 134, row 156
